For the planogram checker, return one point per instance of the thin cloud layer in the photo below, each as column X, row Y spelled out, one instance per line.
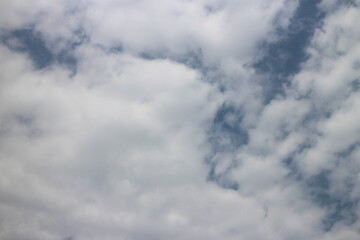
column 135, row 120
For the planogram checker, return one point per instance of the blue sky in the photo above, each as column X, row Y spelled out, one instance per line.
column 179, row 120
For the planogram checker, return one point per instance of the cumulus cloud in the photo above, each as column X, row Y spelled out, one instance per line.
column 153, row 121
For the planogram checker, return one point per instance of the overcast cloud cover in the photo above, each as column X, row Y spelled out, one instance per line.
column 131, row 120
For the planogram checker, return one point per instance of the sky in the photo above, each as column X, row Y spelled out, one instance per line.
column 179, row 119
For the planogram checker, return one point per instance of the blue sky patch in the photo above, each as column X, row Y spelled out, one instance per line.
column 282, row 58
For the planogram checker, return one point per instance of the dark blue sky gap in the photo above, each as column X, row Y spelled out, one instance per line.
column 285, row 56
column 236, row 137
column 30, row 43
column 282, row 59
column 33, row 44
column 338, row 208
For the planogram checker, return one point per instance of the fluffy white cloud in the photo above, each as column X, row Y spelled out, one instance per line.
column 121, row 126
column 117, row 149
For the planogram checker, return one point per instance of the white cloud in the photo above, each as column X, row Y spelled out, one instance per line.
column 101, row 131
column 117, row 151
